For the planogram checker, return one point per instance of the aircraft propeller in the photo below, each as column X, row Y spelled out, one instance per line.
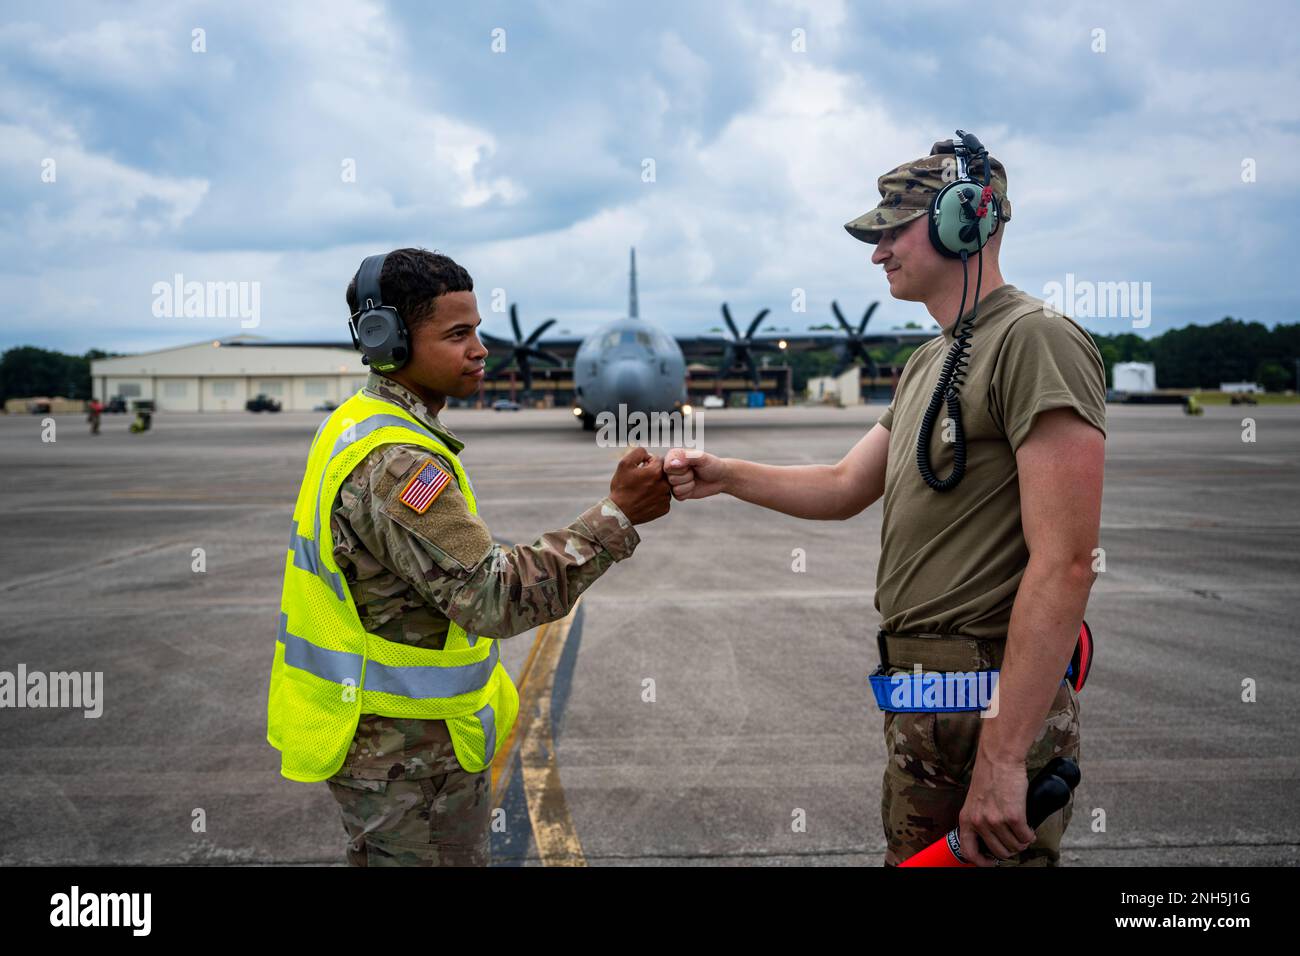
column 740, row 348
column 853, row 347
column 521, row 350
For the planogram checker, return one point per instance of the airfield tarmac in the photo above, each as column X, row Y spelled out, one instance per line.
column 760, row 706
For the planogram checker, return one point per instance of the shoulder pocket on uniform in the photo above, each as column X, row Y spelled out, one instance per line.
column 456, row 539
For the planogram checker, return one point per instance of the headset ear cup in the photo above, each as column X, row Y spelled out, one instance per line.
column 933, row 220
column 941, row 210
column 384, row 338
column 947, row 226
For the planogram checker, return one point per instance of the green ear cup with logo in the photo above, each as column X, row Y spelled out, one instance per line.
column 954, row 227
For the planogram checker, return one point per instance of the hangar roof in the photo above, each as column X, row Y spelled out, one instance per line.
column 238, row 355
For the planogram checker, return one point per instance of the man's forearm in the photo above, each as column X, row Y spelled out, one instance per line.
column 804, row 491
column 1049, row 607
column 514, row 589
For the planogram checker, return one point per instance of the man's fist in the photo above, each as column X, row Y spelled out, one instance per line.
column 639, row 487
column 694, row 473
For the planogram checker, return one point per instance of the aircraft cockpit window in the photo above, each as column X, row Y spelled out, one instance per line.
column 637, row 337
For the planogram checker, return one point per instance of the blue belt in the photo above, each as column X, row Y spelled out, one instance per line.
column 936, row 692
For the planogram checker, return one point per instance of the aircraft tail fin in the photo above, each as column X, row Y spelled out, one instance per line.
column 632, row 310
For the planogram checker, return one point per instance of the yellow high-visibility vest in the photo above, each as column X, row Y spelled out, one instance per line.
column 328, row 670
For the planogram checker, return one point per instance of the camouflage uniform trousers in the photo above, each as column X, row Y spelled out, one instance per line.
column 929, row 758
column 438, row 819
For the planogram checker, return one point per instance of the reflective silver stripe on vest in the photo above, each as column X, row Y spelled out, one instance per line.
column 488, row 718
column 336, row 666
column 422, row 682
column 364, row 427
column 418, row 682
column 307, row 556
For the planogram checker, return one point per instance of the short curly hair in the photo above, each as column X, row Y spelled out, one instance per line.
column 410, row 282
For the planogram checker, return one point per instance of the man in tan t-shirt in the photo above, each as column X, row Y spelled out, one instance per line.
column 994, row 573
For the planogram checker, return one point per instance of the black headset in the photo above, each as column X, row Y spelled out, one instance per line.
column 378, row 332
column 963, row 215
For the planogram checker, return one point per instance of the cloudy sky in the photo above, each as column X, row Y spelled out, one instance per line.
column 282, row 142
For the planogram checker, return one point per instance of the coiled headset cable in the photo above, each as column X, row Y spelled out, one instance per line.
column 947, row 390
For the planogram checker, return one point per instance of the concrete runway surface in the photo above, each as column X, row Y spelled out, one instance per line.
column 761, row 707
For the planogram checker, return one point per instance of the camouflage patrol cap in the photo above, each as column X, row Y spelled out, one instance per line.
column 906, row 191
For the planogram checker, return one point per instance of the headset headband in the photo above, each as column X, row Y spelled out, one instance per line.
column 971, row 148
column 368, row 293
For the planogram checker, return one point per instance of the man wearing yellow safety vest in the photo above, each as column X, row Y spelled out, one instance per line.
column 386, row 681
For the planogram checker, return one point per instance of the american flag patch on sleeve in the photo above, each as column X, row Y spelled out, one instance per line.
column 424, row 487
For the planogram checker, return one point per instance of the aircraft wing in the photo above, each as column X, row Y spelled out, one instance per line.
column 565, row 348
column 699, row 348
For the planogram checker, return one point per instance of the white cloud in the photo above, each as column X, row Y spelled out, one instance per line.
column 746, row 216
column 93, row 198
column 134, row 55
column 361, row 88
column 1124, row 165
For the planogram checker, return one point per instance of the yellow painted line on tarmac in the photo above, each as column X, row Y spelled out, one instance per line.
column 503, row 766
column 548, row 810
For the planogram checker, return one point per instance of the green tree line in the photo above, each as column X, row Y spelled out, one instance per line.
column 1203, row 356
column 1195, row 356
column 27, row 372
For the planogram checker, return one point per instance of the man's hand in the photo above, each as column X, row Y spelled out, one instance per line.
column 995, row 812
column 693, row 473
column 639, row 487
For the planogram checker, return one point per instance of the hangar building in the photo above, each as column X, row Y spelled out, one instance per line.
column 221, row 375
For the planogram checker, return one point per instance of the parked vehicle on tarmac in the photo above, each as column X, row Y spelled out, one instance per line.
column 262, row 403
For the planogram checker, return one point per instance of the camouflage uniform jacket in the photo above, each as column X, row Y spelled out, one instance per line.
column 410, row 573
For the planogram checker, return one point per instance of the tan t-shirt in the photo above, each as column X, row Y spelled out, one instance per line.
column 951, row 562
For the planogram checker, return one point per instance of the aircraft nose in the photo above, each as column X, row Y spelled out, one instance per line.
column 631, row 382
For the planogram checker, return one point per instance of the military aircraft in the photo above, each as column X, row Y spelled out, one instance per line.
column 630, row 361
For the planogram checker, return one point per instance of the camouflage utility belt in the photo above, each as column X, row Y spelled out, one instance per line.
column 947, row 673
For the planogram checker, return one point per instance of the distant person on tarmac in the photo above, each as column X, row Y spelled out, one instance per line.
column 96, row 412
column 991, row 569
column 386, row 681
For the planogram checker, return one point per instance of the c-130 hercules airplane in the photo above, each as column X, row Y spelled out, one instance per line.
column 633, row 363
